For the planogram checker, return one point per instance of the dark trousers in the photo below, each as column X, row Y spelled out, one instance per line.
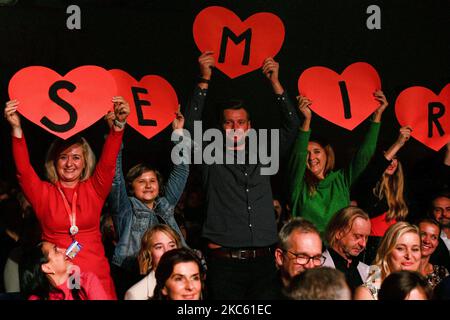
column 123, row 280
column 234, row 279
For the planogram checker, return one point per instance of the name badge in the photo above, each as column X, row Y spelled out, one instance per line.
column 73, row 249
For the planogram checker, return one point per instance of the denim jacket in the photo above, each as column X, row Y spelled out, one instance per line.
column 132, row 217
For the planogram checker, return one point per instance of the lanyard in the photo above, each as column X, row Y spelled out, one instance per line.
column 72, row 212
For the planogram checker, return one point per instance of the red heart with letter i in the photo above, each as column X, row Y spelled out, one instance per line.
column 63, row 105
column 239, row 46
column 427, row 113
column 153, row 101
column 344, row 99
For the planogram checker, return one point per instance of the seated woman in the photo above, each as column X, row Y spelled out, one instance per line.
column 156, row 241
column 140, row 201
column 179, row 276
column 399, row 250
column 316, row 191
column 429, row 234
column 47, row 274
column 405, row 285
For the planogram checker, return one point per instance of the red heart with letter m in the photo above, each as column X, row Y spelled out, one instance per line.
column 427, row 113
column 153, row 102
column 239, row 46
column 344, row 99
column 63, row 105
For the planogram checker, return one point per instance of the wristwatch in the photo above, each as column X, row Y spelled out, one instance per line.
column 119, row 124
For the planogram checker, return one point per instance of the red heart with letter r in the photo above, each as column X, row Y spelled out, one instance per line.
column 83, row 95
column 153, row 101
column 245, row 43
column 328, row 89
column 426, row 113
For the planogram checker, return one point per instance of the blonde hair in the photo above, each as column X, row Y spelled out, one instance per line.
column 59, row 146
column 145, row 256
column 342, row 221
column 388, row 243
column 310, row 179
column 391, row 187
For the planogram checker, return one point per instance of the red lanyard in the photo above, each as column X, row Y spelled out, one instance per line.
column 72, row 212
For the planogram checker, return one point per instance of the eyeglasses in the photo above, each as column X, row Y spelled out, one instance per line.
column 304, row 259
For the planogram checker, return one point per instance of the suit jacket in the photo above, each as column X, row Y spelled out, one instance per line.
column 363, row 268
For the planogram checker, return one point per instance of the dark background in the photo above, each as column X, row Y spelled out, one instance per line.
column 155, row 37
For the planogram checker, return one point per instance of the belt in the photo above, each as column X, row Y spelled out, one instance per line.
column 241, row 254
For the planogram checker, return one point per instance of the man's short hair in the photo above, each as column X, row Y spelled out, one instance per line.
column 319, row 284
column 343, row 221
column 233, row 104
column 445, row 193
column 296, row 224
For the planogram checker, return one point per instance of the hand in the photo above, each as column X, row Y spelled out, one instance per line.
column 178, row 122
column 303, row 104
column 270, row 69
column 379, row 95
column 206, row 62
column 12, row 115
column 405, row 134
column 121, row 109
column 109, row 118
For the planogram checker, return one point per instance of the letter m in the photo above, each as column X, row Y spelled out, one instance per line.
column 228, row 34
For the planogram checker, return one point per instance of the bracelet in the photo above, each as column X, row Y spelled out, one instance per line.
column 119, row 124
column 203, row 80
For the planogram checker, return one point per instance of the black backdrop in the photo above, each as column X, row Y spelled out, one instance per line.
column 155, row 37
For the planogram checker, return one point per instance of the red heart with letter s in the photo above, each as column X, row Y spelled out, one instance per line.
column 153, row 101
column 239, row 46
column 427, row 113
column 63, row 105
column 328, row 90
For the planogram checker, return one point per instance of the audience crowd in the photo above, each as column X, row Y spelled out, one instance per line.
column 220, row 231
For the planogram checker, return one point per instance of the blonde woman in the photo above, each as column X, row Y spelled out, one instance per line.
column 385, row 202
column 400, row 249
column 155, row 242
column 69, row 205
column 317, row 191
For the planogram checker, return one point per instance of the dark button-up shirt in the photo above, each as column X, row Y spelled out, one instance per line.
column 351, row 272
column 239, row 208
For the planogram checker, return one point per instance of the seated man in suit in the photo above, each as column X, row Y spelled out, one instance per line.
column 346, row 235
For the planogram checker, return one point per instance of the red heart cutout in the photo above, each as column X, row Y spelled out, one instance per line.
column 323, row 87
column 87, row 92
column 412, row 107
column 214, row 23
column 152, row 89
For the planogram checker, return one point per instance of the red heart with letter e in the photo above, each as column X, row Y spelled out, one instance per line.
column 427, row 113
column 344, row 99
column 239, row 46
column 63, row 105
column 153, row 102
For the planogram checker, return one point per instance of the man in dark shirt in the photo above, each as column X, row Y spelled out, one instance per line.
column 346, row 235
column 240, row 226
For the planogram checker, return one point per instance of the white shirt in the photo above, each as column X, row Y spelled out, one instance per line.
column 445, row 239
column 143, row 290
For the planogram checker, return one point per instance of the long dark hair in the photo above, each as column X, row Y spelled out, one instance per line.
column 33, row 281
column 165, row 268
